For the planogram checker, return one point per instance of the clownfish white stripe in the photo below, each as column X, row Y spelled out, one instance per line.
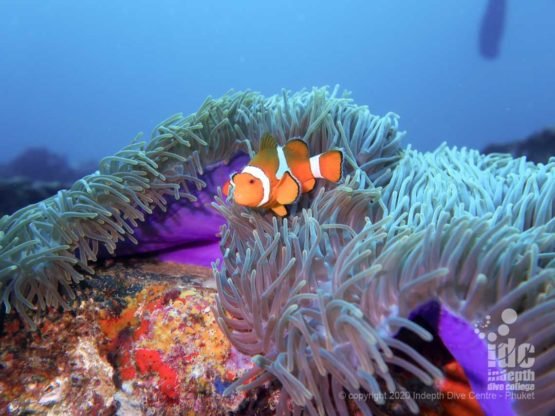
column 315, row 166
column 283, row 166
column 261, row 176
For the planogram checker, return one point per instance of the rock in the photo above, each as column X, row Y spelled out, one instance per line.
column 538, row 147
column 18, row 192
column 36, row 174
column 41, row 164
column 141, row 339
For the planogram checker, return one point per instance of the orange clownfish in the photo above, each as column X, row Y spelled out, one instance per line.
column 277, row 175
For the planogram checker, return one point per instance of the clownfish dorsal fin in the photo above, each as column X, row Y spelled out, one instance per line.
column 288, row 190
column 298, row 147
column 267, row 141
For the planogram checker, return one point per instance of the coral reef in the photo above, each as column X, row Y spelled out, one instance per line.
column 139, row 341
column 538, row 147
column 324, row 300
column 38, row 163
column 18, row 192
column 34, row 175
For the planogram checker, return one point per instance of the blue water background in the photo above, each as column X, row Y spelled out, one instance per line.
column 83, row 77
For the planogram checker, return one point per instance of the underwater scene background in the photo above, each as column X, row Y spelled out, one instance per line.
column 384, row 245
column 82, row 78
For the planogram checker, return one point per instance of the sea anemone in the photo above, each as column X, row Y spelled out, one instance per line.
column 48, row 246
column 320, row 298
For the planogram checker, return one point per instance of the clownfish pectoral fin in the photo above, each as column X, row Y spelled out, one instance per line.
column 328, row 165
column 280, row 210
column 288, row 190
column 309, row 184
column 298, row 147
column 225, row 188
column 267, row 141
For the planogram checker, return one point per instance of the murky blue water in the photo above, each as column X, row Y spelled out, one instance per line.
column 83, row 77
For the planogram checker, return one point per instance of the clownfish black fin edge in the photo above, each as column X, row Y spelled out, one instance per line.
column 289, row 190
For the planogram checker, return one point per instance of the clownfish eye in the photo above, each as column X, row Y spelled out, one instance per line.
column 251, row 181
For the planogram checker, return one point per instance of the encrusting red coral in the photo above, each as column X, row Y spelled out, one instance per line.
column 150, row 361
column 145, row 338
column 166, row 343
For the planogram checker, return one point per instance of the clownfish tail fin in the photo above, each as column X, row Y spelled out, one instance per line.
column 328, row 165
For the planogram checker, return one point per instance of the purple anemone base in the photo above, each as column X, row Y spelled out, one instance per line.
column 465, row 346
column 188, row 232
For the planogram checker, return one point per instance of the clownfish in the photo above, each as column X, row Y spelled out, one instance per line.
column 277, row 175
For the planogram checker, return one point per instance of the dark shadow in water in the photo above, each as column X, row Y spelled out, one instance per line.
column 36, row 174
column 492, row 28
